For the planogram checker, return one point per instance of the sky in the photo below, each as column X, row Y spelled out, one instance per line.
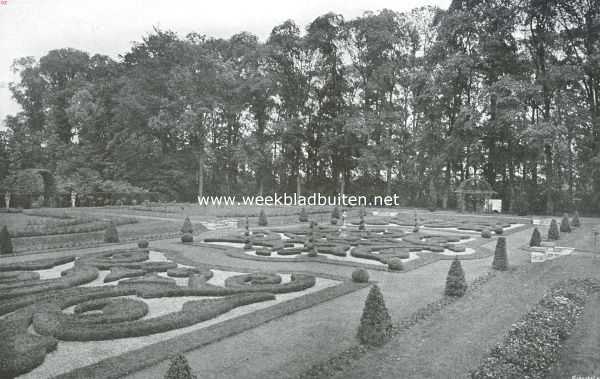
column 33, row 27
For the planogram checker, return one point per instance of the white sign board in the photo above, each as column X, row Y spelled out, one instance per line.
column 493, row 205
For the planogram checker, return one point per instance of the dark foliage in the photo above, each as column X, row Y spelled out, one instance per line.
column 6, row 246
column 553, row 233
column 456, row 284
column 500, row 255
column 179, row 368
column 360, row 275
column 187, row 226
column 375, row 323
column 565, row 225
column 111, row 234
column 536, row 238
column 262, row 218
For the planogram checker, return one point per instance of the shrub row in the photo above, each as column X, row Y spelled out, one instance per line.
column 533, row 343
column 48, row 322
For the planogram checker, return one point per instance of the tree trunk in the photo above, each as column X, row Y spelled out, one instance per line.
column 201, row 174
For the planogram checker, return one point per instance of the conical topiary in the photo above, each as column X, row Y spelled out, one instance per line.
column 111, row 234
column 575, row 221
column 187, row 226
column 179, row 369
column 553, row 233
column 456, row 284
column 565, row 225
column 335, row 215
column 375, row 323
column 303, row 215
column 6, row 246
column 500, row 256
column 247, row 227
column 262, row 218
column 536, row 238
column 361, row 224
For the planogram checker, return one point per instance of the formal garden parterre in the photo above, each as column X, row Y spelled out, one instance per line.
column 372, row 242
column 49, row 307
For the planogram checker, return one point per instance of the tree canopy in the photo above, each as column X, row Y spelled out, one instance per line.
column 411, row 103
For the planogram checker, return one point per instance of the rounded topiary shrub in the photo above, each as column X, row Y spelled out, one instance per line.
column 536, row 238
column 498, row 230
column 6, row 246
column 187, row 237
column 500, row 256
column 303, row 217
column 375, row 323
column 187, row 226
column 111, row 234
column 553, row 233
column 486, row 233
column 565, row 225
column 395, row 264
column 360, row 276
column 456, row 284
column 575, row 221
column 143, row 244
column 179, row 368
column 262, row 218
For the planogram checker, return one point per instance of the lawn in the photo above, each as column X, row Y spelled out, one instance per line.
column 287, row 340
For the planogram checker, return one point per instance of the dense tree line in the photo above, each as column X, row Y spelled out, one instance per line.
column 409, row 103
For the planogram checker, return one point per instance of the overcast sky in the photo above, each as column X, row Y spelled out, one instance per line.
column 32, row 27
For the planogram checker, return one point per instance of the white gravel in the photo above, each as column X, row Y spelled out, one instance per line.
column 71, row 355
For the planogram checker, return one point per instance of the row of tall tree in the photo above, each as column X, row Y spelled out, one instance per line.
column 409, row 103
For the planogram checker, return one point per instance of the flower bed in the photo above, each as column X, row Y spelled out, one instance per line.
column 532, row 345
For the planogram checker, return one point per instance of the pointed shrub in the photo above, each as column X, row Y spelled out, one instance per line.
column 500, row 256
column 456, row 284
column 262, row 218
column 335, row 215
column 247, row 227
column 565, row 225
column 6, row 246
column 179, row 369
column 303, row 217
column 187, row 226
column 361, row 225
column 553, row 233
column 536, row 238
column 575, row 221
column 247, row 243
column 375, row 323
column 111, row 234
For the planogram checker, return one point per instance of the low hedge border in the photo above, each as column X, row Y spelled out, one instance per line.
column 532, row 345
column 69, row 328
column 425, row 258
column 117, row 367
column 341, row 361
column 99, row 242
